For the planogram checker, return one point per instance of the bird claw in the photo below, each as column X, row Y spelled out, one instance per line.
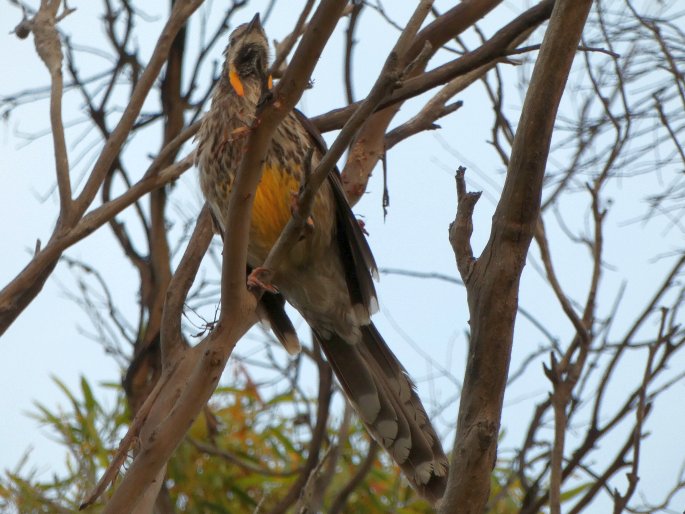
column 254, row 280
column 233, row 135
column 295, row 209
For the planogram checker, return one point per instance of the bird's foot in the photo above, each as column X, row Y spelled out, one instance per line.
column 295, row 209
column 255, row 280
column 233, row 135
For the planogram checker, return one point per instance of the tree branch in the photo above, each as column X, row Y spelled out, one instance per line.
column 369, row 145
column 494, row 49
column 49, row 48
column 493, row 287
column 19, row 293
column 462, row 227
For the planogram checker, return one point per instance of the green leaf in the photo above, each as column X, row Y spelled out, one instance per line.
column 572, row 493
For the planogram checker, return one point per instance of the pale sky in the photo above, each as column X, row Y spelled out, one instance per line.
column 46, row 339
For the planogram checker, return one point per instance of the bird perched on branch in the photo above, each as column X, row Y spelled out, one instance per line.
column 327, row 275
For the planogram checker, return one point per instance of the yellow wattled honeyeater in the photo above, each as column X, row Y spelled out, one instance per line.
column 327, row 275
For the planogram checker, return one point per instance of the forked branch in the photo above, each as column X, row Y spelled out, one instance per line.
column 492, row 286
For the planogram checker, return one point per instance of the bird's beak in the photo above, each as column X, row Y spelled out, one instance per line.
column 255, row 23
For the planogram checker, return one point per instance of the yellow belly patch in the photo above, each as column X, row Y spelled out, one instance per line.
column 272, row 203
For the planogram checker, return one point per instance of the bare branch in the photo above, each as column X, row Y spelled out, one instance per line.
column 318, row 434
column 621, row 501
column 49, row 48
column 493, row 286
column 493, row 50
column 23, row 289
column 284, row 48
column 171, row 341
column 211, row 449
column 127, row 442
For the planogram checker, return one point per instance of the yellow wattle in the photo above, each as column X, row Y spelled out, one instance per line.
column 234, row 79
column 272, row 203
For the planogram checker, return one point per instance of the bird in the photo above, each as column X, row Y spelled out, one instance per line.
column 328, row 273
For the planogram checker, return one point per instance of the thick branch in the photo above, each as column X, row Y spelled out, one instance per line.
column 493, row 288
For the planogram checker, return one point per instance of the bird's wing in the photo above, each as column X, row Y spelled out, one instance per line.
column 358, row 262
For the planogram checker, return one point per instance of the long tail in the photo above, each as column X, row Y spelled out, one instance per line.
column 385, row 398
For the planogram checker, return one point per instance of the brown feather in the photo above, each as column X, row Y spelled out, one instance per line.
column 358, row 261
column 395, row 417
column 272, row 311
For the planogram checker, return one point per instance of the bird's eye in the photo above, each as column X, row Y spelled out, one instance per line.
column 246, row 55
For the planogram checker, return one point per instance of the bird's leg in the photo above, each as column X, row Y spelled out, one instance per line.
column 255, row 280
column 233, row 135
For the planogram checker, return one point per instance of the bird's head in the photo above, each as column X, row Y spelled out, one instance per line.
column 247, row 58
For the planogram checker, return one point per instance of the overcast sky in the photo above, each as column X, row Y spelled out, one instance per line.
column 46, row 340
